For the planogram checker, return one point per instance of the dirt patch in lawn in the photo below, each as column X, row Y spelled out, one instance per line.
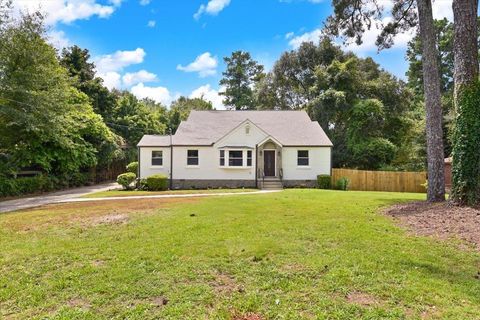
column 86, row 213
column 249, row 316
column 225, row 284
column 361, row 298
column 442, row 220
column 78, row 303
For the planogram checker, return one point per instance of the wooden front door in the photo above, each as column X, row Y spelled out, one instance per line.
column 269, row 163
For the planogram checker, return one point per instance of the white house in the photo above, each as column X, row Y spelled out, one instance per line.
column 239, row 149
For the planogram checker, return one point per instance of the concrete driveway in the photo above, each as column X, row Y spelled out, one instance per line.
column 54, row 197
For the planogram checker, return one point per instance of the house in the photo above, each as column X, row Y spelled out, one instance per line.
column 262, row 149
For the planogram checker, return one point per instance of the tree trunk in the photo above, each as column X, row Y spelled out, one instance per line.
column 466, row 155
column 431, row 83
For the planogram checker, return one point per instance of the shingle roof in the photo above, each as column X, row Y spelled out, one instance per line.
column 290, row 128
column 154, row 141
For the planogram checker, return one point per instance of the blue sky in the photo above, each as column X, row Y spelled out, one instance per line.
column 166, row 48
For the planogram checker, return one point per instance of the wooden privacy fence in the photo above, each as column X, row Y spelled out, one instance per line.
column 382, row 180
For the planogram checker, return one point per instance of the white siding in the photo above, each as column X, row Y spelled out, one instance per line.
column 208, row 166
column 319, row 163
column 146, row 168
column 239, row 137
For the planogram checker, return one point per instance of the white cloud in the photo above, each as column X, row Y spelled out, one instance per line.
column 151, row 23
column 67, row 11
column 213, row 7
column 119, row 60
column 144, row 2
column 368, row 38
column 58, row 39
column 204, row 64
column 289, row 35
column 111, row 79
column 209, row 94
column 158, row 94
column 312, row 36
column 142, row 76
column 442, row 9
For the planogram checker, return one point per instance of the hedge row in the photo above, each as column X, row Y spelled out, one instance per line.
column 41, row 183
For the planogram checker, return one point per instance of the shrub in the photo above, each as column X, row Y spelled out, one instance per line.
column 25, row 185
column 342, row 183
column 133, row 167
column 126, row 180
column 324, row 181
column 157, row 182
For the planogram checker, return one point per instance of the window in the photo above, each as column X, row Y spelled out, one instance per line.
column 235, row 158
column 249, row 158
column 247, row 129
column 157, row 158
column 192, row 157
column 222, row 158
column 302, row 158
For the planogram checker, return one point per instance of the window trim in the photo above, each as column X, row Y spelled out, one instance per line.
column 152, row 157
column 197, row 157
column 227, row 158
column 307, row 157
column 236, row 158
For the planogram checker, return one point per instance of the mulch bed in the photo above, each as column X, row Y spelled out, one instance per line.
column 442, row 220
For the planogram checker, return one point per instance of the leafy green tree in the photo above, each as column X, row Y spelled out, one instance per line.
column 241, row 74
column 45, row 123
column 329, row 83
column 76, row 60
column 180, row 109
column 352, row 18
column 133, row 118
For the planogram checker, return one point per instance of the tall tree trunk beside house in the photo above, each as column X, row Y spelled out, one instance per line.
column 431, row 76
column 466, row 149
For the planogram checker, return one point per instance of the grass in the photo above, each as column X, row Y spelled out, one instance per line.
column 125, row 193
column 298, row 254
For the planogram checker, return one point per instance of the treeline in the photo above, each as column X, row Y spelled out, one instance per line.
column 58, row 119
column 372, row 118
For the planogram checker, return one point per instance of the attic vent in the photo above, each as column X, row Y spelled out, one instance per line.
column 247, row 129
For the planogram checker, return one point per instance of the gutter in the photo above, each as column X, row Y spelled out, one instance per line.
column 256, row 165
column 171, row 161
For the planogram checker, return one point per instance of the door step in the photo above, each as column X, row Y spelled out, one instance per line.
column 271, row 184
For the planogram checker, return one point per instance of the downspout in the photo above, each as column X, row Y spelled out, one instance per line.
column 256, row 166
column 171, row 161
column 138, row 169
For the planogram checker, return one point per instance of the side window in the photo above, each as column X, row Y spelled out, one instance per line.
column 249, row 158
column 222, row 158
column 192, row 157
column 302, row 158
column 157, row 158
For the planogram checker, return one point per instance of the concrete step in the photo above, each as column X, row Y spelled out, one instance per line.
column 271, row 184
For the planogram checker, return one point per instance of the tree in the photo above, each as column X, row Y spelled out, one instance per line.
column 329, row 83
column 180, row 109
column 45, row 123
column 76, row 60
column 466, row 158
column 352, row 17
column 241, row 74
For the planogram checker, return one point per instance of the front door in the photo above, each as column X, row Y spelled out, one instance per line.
column 269, row 163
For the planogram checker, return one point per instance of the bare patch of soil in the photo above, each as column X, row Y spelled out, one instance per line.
column 361, row 298
column 249, row 316
column 160, row 301
column 110, row 219
column 442, row 220
column 226, row 284
column 78, row 303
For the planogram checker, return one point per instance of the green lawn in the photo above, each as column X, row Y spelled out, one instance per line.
column 298, row 254
column 124, row 193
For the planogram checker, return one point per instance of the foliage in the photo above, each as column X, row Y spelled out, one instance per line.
column 126, row 180
column 324, row 181
column 353, row 99
column 132, row 167
column 157, row 182
column 180, row 109
column 242, row 72
column 24, row 185
column 342, row 183
column 466, row 155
